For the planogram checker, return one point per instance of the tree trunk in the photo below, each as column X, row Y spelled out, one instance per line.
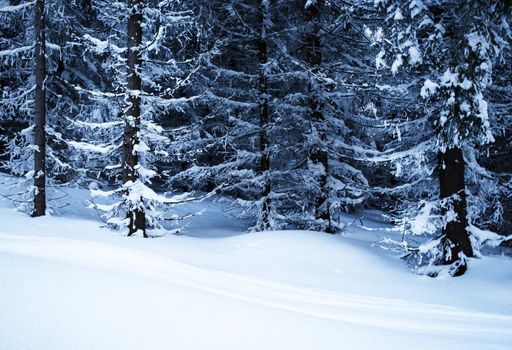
column 136, row 215
column 87, row 5
column 40, row 112
column 451, row 180
column 264, row 165
column 319, row 154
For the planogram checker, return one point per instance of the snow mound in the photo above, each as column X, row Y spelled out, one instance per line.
column 69, row 284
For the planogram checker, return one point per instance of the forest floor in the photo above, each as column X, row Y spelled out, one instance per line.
column 66, row 283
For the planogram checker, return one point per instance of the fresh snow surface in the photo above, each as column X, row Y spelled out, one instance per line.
column 66, row 283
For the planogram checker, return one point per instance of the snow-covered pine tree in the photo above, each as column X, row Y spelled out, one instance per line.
column 22, row 96
column 236, row 121
column 495, row 162
column 449, row 50
column 330, row 87
column 34, row 56
column 260, row 91
column 138, row 49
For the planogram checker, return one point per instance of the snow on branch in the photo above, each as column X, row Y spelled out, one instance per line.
column 14, row 8
column 100, row 46
column 487, row 237
column 91, row 125
column 89, row 147
column 16, row 51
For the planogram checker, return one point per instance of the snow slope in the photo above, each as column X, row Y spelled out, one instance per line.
column 66, row 283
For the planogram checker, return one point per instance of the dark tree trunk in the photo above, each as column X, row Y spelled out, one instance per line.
column 451, row 180
column 264, row 165
column 40, row 113
column 87, row 5
column 319, row 154
column 136, row 216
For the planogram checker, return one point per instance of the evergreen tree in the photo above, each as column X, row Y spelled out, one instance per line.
column 236, row 121
column 33, row 61
column 277, row 113
column 450, row 49
column 146, row 70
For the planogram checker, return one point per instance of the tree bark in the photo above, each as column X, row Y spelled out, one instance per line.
column 319, row 154
column 87, row 5
column 136, row 215
column 452, row 185
column 40, row 112
column 264, row 165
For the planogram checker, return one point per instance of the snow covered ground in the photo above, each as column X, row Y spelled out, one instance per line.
column 66, row 283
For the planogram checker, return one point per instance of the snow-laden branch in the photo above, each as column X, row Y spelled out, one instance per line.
column 100, row 46
column 91, row 125
column 89, row 147
column 388, row 156
column 14, row 8
column 16, row 51
column 15, row 99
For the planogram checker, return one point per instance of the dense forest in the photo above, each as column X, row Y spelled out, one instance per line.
column 290, row 112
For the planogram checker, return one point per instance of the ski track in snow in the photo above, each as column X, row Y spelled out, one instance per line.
column 383, row 313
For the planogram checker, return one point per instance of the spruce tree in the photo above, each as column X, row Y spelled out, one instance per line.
column 449, row 50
